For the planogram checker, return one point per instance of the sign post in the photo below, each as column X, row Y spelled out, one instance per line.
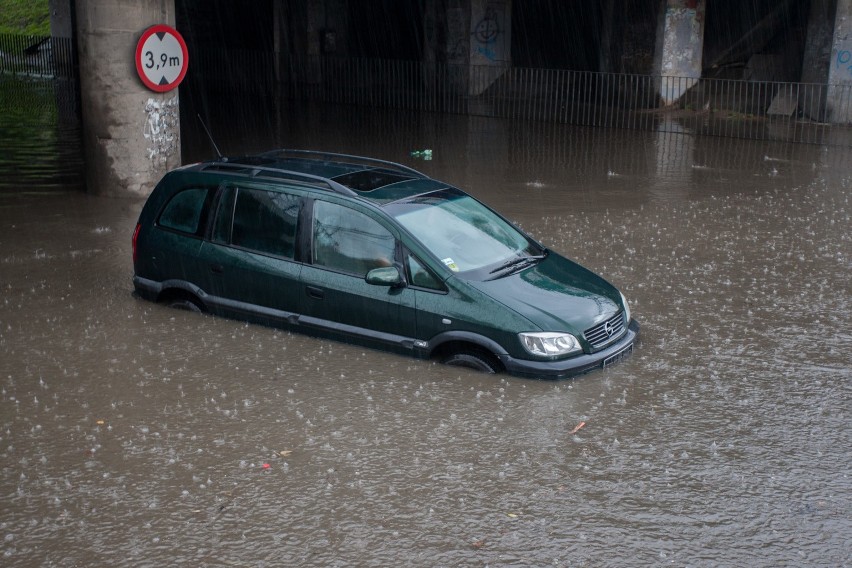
column 161, row 58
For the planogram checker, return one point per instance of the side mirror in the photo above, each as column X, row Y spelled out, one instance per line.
column 385, row 276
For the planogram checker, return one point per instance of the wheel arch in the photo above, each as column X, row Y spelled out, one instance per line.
column 172, row 290
column 455, row 342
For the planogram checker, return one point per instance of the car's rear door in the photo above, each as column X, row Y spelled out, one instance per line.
column 251, row 267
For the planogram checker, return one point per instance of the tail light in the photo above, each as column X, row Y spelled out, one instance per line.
column 135, row 237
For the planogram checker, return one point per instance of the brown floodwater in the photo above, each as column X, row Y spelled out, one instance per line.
column 131, row 434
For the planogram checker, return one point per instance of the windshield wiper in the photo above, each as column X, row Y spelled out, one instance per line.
column 518, row 263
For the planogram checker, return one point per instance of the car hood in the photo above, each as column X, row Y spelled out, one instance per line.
column 556, row 295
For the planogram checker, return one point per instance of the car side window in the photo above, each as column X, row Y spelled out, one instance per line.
column 264, row 221
column 349, row 241
column 420, row 276
column 183, row 211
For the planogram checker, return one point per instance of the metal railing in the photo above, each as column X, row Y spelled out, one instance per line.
column 762, row 110
column 759, row 110
column 37, row 56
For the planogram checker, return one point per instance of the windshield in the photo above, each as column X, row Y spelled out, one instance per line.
column 463, row 233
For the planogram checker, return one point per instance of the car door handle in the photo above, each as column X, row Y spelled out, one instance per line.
column 314, row 292
column 217, row 269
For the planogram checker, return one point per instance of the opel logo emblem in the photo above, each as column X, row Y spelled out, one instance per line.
column 608, row 329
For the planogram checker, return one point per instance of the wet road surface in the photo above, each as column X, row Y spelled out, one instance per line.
column 131, row 434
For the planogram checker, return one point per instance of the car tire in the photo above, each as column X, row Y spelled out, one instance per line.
column 185, row 304
column 482, row 362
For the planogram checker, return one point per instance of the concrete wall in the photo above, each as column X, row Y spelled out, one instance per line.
column 131, row 136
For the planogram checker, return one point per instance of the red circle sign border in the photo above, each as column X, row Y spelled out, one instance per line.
column 161, row 28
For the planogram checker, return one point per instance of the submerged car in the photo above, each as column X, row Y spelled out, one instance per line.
column 374, row 253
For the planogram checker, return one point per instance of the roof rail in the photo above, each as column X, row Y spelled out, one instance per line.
column 255, row 171
column 284, row 153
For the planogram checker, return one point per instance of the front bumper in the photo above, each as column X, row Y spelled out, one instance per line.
column 574, row 365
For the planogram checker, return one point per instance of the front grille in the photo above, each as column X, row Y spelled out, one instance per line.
column 606, row 332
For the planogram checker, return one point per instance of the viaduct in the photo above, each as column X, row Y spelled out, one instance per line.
column 131, row 134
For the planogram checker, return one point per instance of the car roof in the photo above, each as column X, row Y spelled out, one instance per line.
column 374, row 180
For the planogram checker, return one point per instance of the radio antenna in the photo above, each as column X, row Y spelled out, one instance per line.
column 210, row 136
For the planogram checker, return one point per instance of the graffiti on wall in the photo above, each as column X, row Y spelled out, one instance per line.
column 161, row 128
column 488, row 34
column 844, row 60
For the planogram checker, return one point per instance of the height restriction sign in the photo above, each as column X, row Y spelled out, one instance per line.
column 161, row 58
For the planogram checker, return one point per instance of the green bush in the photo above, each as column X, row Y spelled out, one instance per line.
column 28, row 17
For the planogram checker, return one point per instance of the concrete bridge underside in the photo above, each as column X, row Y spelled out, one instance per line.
column 132, row 134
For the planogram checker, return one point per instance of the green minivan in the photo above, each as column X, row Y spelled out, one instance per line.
column 374, row 253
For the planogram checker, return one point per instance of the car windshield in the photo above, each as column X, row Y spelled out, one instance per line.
column 463, row 233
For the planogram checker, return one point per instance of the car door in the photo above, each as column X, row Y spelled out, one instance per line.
column 345, row 244
column 251, row 264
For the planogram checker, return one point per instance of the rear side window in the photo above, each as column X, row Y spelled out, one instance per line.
column 264, row 221
column 183, row 211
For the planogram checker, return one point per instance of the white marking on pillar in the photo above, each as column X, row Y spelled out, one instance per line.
column 161, row 130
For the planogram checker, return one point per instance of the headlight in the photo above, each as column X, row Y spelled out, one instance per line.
column 549, row 343
column 627, row 315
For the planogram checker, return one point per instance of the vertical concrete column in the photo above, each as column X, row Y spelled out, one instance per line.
column 478, row 42
column 65, row 87
column 490, row 42
column 839, row 96
column 431, row 26
column 314, row 24
column 816, row 58
column 60, row 18
column 680, row 45
column 131, row 135
column 607, row 39
column 307, row 22
column 457, row 22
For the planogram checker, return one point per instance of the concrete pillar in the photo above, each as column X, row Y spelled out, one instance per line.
column 457, row 22
column 478, row 42
column 431, row 37
column 608, row 27
column 839, row 96
column 131, row 135
column 61, row 20
column 827, row 63
column 490, row 42
column 816, row 58
column 310, row 28
column 680, row 44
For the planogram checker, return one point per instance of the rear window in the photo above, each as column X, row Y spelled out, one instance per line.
column 183, row 211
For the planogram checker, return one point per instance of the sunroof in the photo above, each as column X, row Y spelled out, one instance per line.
column 368, row 180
